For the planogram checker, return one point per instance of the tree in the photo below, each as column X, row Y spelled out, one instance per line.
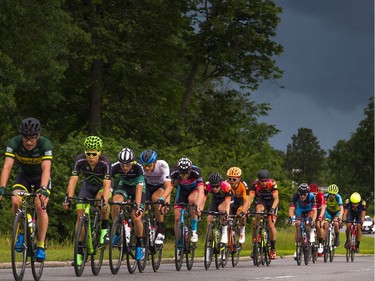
column 352, row 161
column 304, row 159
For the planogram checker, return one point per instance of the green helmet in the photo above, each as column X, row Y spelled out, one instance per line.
column 334, row 189
column 93, row 142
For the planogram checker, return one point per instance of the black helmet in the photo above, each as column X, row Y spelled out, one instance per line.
column 125, row 156
column 263, row 174
column 215, row 178
column 303, row 188
column 184, row 165
column 148, row 157
column 30, row 127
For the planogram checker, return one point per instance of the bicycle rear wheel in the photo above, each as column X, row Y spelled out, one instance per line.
column 19, row 254
column 208, row 248
column 99, row 249
column 179, row 246
column 116, row 245
column 306, row 252
column 80, row 247
column 267, row 249
column 314, row 252
column 36, row 266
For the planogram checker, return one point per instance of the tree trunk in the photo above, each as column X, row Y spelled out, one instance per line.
column 96, row 97
column 188, row 91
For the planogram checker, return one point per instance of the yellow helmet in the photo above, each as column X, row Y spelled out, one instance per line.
column 234, row 172
column 355, row 197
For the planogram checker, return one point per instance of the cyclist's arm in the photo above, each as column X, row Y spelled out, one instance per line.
column 46, row 172
column 7, row 167
column 72, row 185
column 275, row 195
column 200, row 198
column 291, row 211
column 345, row 214
column 107, row 190
column 363, row 214
column 227, row 204
column 138, row 193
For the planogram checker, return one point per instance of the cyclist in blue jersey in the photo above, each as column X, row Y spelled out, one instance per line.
column 131, row 187
column 303, row 205
column 33, row 155
column 334, row 211
column 354, row 210
column 190, row 190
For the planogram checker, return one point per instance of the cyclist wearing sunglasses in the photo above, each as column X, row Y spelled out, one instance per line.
column 132, row 188
column 190, row 190
column 220, row 202
column 303, row 205
column 33, row 154
column 241, row 200
column 334, row 211
column 264, row 191
column 321, row 209
column 354, row 210
column 157, row 175
column 96, row 170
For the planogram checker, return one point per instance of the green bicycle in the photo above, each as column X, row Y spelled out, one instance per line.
column 87, row 236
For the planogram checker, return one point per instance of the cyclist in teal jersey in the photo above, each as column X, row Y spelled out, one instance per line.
column 33, row 154
column 334, row 211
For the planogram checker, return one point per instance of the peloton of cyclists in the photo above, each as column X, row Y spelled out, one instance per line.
column 157, row 175
column 264, row 190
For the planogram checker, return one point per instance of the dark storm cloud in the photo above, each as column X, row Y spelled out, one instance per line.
column 328, row 65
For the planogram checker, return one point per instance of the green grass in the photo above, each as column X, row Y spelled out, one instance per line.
column 284, row 246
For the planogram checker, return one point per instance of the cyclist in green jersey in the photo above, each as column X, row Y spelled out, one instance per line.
column 33, row 154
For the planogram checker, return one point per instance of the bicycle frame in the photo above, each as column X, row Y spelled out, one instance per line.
column 329, row 246
column 234, row 246
column 351, row 250
column 261, row 244
column 302, row 241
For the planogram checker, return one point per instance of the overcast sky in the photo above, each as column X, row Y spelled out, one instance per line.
column 328, row 64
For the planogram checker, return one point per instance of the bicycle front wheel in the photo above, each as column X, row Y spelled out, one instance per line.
column 116, row 245
column 267, row 249
column 131, row 241
column 156, row 257
column 234, row 246
column 19, row 252
column 256, row 248
column 208, row 248
column 190, row 249
column 36, row 266
column 146, row 241
column 80, row 247
column 306, row 252
column 99, row 249
column 179, row 246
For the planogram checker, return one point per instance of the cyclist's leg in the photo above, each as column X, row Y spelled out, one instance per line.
column 271, row 221
column 104, row 232
column 155, row 195
column 192, row 199
column 16, row 204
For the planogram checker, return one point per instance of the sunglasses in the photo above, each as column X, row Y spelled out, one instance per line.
column 215, row 186
column 148, row 165
column 91, row 154
column 303, row 194
column 233, row 179
column 30, row 138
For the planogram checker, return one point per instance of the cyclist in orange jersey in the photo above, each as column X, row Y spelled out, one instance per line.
column 241, row 202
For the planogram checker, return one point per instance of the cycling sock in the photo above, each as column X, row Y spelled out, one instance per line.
column 358, row 243
column 160, row 227
column 273, row 244
column 320, row 240
column 194, row 224
column 105, row 224
column 40, row 245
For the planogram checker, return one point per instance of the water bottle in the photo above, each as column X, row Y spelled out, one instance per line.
column 127, row 231
column 31, row 222
column 152, row 234
column 186, row 234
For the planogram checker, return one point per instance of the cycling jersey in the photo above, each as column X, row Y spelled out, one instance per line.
column 264, row 195
column 240, row 193
column 188, row 185
column 29, row 161
column 128, row 181
column 225, row 191
column 354, row 212
column 303, row 207
column 158, row 175
column 333, row 204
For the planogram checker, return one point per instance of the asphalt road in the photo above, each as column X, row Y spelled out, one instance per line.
column 286, row 269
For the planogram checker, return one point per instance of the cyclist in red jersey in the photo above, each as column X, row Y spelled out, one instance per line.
column 321, row 209
column 264, row 190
